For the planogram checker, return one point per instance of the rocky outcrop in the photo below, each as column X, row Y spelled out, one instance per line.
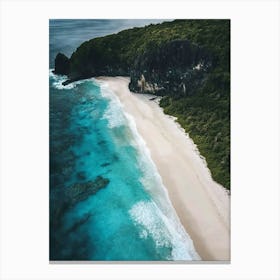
column 172, row 58
column 62, row 200
column 174, row 67
column 67, row 197
column 81, row 191
column 62, row 64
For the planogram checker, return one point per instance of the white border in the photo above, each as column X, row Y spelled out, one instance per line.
column 24, row 138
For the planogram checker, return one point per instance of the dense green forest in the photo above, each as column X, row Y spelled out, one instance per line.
column 185, row 61
column 206, row 117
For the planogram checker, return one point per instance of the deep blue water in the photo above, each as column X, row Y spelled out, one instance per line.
column 131, row 217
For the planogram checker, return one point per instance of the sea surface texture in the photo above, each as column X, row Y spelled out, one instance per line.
column 107, row 200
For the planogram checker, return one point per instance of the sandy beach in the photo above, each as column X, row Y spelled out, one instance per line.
column 202, row 205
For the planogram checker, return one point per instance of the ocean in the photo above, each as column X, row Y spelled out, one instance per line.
column 107, row 199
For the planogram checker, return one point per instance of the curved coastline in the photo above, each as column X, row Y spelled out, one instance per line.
column 201, row 204
column 153, row 216
column 172, row 233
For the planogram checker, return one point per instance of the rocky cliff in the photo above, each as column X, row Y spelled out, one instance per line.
column 176, row 66
column 169, row 56
column 62, row 64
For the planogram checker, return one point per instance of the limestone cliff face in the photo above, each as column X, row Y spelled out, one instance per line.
column 177, row 66
column 174, row 67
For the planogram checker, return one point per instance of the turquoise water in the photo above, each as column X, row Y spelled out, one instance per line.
column 131, row 218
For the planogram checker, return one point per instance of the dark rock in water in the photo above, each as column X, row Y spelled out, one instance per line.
column 81, row 191
column 62, row 64
column 65, row 198
column 69, row 81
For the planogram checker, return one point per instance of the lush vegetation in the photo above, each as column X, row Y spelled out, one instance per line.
column 167, row 54
column 206, row 117
column 121, row 50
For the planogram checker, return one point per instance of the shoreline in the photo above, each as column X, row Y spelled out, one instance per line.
column 201, row 204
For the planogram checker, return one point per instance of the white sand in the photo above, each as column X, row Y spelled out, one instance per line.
column 202, row 205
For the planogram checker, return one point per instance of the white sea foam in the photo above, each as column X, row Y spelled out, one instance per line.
column 148, row 215
column 156, row 218
column 59, row 79
column 114, row 113
column 156, row 225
